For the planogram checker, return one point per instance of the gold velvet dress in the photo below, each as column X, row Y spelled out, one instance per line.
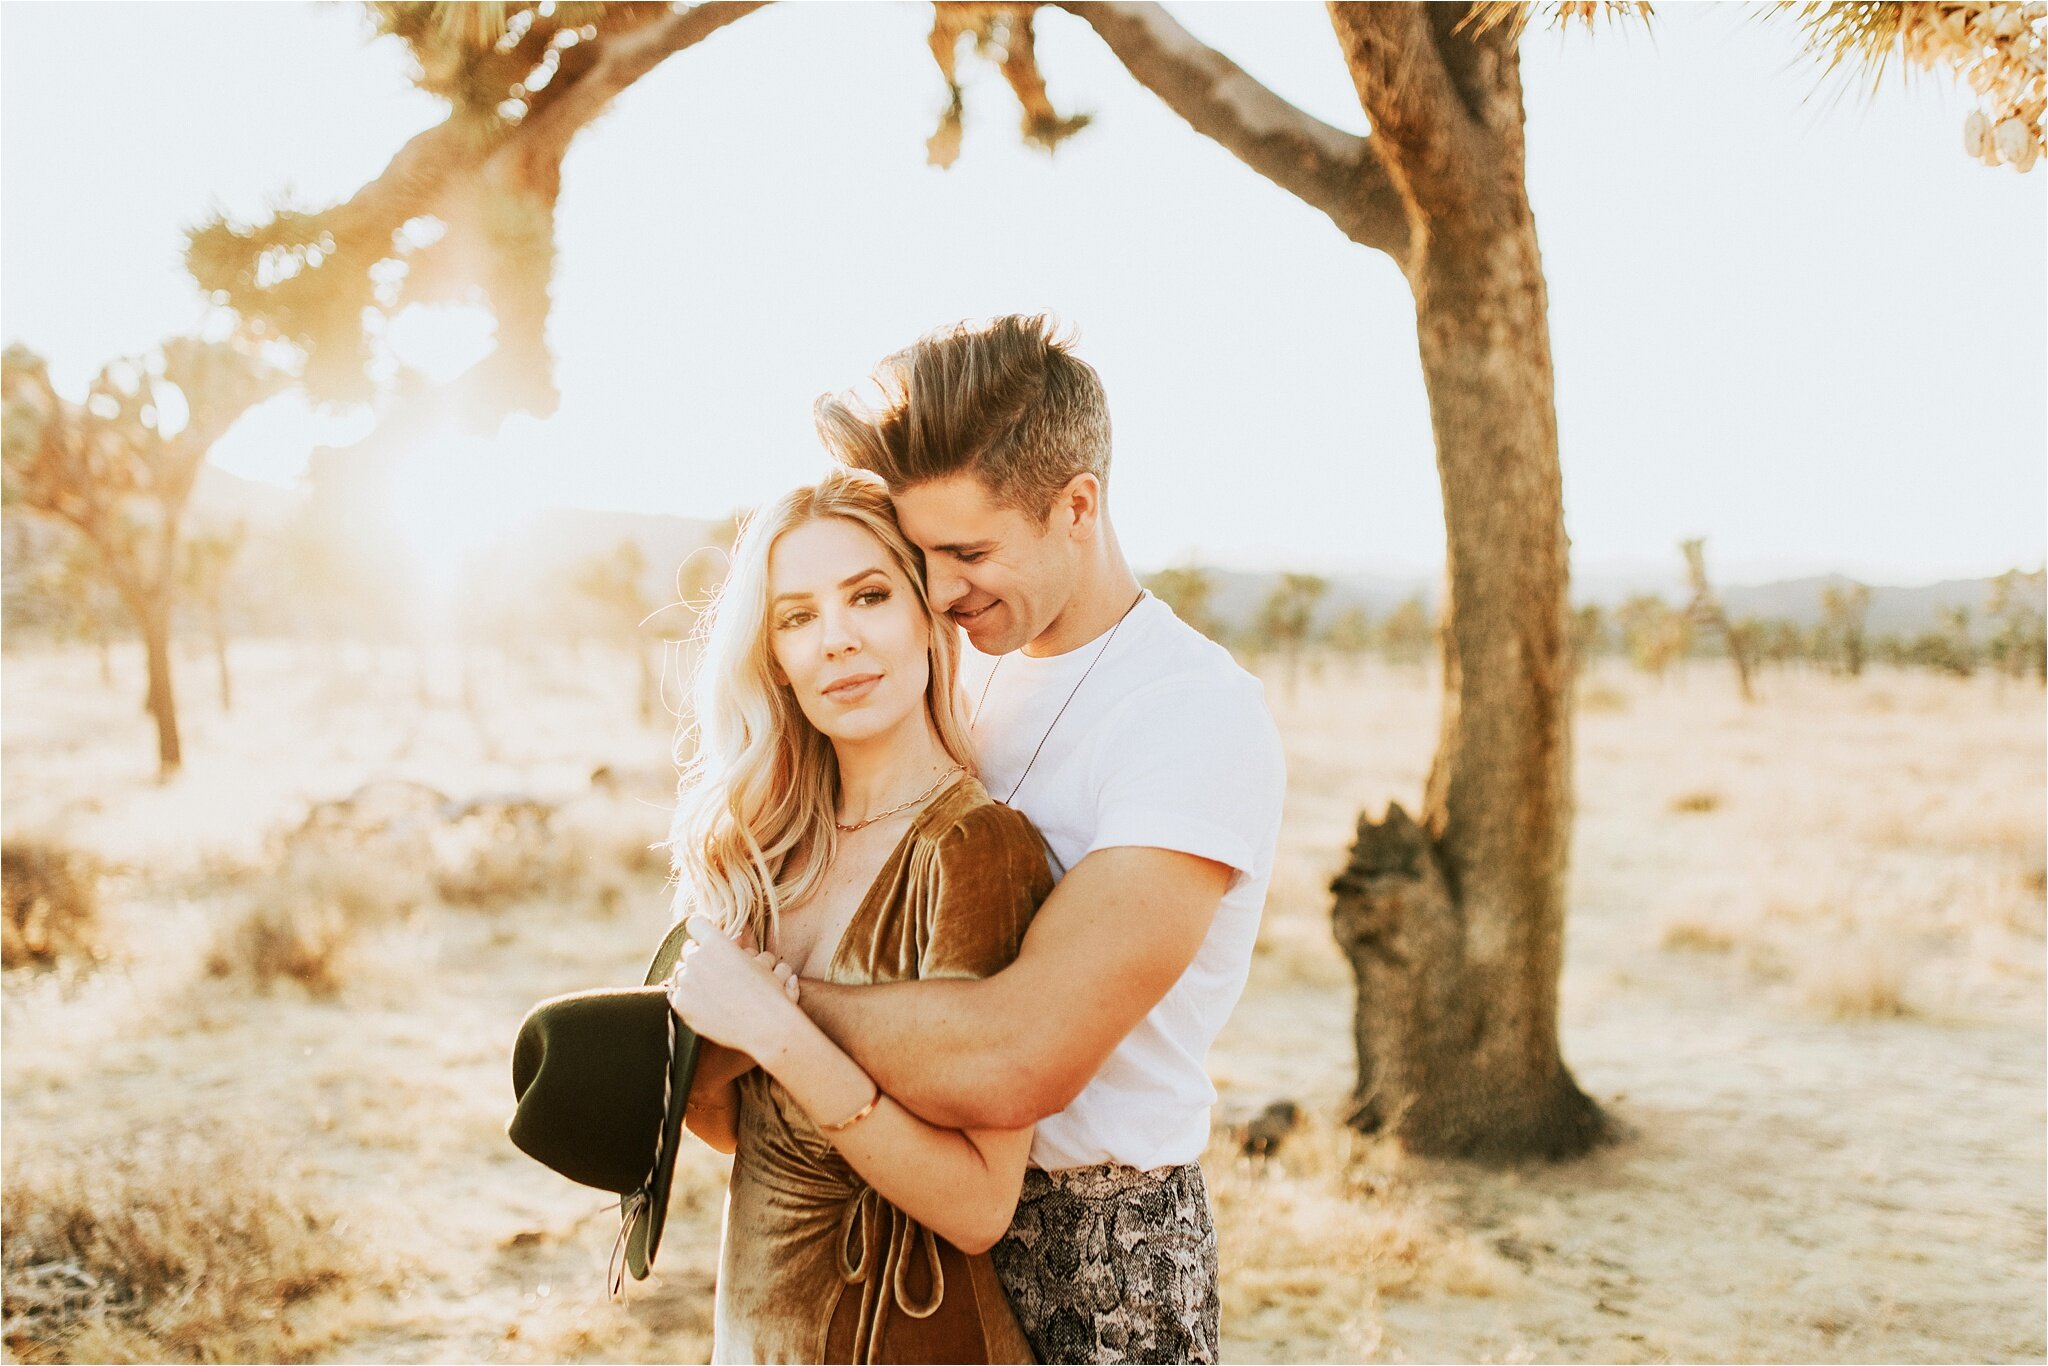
column 816, row 1266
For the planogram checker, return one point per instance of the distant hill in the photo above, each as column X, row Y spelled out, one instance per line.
column 1237, row 595
column 537, row 560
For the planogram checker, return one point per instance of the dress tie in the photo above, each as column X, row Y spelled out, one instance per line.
column 877, row 1243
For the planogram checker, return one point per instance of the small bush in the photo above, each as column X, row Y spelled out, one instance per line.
column 1863, row 980
column 52, row 905
column 270, row 944
column 1685, row 934
column 1696, row 803
column 168, row 1248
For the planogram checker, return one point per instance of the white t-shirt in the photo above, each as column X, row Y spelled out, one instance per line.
column 1166, row 744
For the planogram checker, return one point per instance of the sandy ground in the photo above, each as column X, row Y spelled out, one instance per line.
column 1804, row 973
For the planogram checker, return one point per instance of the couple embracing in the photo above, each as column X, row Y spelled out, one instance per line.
column 960, row 924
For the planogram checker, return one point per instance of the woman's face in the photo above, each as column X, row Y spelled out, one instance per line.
column 846, row 630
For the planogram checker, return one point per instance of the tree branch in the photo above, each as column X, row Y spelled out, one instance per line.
column 1337, row 172
column 1421, row 118
column 621, row 61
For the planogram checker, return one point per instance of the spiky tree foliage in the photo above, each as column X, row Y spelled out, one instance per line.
column 1999, row 50
column 120, row 468
column 465, row 212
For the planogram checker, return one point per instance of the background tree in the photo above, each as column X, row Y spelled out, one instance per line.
column 616, row 583
column 1655, row 636
column 1406, row 634
column 1589, row 634
column 209, row 561
column 120, row 468
column 1187, row 590
column 1456, row 1031
column 1705, row 610
column 1350, row 634
column 1844, row 611
column 1286, row 619
column 2020, row 642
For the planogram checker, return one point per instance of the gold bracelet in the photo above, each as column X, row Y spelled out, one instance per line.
column 856, row 1117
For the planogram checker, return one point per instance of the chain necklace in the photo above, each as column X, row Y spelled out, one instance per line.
column 898, row 810
column 1063, row 706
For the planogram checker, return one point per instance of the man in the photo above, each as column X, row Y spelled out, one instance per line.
column 1147, row 760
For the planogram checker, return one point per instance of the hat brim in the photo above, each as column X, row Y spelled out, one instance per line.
column 644, row 1239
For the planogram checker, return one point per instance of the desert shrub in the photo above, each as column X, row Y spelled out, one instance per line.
column 52, row 905
column 169, row 1248
column 1696, row 803
column 268, row 944
column 497, row 854
column 1861, row 980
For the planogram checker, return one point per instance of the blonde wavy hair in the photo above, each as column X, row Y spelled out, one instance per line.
column 753, row 830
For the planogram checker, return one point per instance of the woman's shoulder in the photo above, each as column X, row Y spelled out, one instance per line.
column 965, row 814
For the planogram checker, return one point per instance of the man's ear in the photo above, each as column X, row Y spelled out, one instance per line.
column 1079, row 506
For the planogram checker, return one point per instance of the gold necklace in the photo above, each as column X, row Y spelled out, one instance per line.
column 898, row 810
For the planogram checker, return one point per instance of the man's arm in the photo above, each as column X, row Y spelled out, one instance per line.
column 1006, row 1051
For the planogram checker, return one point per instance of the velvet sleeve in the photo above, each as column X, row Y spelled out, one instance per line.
column 985, row 882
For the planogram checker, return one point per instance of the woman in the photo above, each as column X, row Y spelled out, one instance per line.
column 832, row 817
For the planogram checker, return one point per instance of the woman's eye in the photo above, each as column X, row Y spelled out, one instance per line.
column 868, row 597
column 790, row 621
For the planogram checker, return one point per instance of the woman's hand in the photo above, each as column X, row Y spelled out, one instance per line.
column 744, row 1002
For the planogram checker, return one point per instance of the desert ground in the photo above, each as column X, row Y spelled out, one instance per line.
column 254, row 1103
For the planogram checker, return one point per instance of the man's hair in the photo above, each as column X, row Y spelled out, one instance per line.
column 1006, row 401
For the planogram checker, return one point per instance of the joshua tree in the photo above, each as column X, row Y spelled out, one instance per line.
column 1844, row 611
column 1654, row 635
column 1457, row 1031
column 1406, row 633
column 120, row 467
column 209, row 559
column 1350, row 634
column 1705, row 610
column 2021, row 641
column 1285, row 619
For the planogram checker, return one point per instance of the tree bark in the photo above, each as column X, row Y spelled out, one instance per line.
column 155, row 620
column 1455, row 924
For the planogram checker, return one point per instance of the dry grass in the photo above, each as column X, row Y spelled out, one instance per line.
column 52, row 911
column 1315, row 1236
column 1864, row 979
column 173, row 1248
column 1795, row 1188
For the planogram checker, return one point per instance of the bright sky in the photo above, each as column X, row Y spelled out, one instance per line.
column 1806, row 327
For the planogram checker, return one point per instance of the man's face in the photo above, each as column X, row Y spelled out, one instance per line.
column 997, row 572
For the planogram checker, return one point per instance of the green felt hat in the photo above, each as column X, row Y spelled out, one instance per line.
column 602, row 1079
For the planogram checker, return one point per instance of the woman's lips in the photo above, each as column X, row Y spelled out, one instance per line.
column 854, row 689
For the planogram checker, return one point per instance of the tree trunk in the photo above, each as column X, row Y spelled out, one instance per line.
column 155, row 622
column 220, row 656
column 1455, row 926
column 650, row 684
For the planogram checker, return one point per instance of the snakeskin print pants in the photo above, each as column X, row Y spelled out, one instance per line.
column 1114, row 1264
